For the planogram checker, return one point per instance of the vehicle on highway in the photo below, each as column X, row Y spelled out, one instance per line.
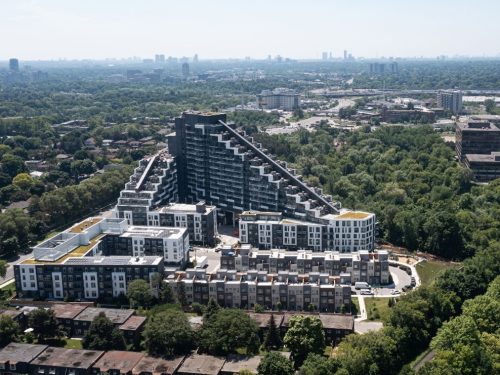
column 362, row 285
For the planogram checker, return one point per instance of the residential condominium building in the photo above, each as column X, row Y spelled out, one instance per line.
column 284, row 290
column 476, row 137
column 450, row 100
column 371, row 267
column 344, row 232
column 97, row 258
column 280, row 98
column 153, row 183
column 221, row 166
column 199, row 219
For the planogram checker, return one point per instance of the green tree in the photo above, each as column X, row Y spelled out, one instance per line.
column 23, row 181
column 13, row 165
column 139, row 293
column 305, row 335
column 272, row 339
column 316, row 364
column 9, row 330
column 227, row 331
column 212, row 309
column 274, row 363
column 490, row 105
column 168, row 333
column 103, row 335
column 44, row 324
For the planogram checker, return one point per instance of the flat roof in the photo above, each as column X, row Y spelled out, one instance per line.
column 154, row 232
column 133, row 323
column 17, row 352
column 117, row 316
column 79, row 251
column 184, row 208
column 478, row 125
column 263, row 319
column 337, row 321
column 157, row 366
column 67, row 310
column 123, row 361
column 114, row 261
column 85, row 224
column 353, row 215
column 201, row 364
column 12, row 313
column 488, row 158
column 235, row 363
column 73, row 358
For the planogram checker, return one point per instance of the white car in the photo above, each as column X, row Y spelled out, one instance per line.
column 395, row 292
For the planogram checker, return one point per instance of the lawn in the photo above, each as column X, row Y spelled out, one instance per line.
column 64, row 343
column 428, row 270
column 7, row 291
column 73, row 344
column 377, row 308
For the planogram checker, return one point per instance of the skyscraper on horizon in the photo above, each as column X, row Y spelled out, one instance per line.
column 14, row 65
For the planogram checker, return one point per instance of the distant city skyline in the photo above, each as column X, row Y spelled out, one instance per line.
column 62, row 29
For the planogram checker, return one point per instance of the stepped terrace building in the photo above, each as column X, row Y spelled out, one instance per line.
column 344, row 232
column 98, row 257
column 223, row 167
column 371, row 267
column 286, row 290
column 153, row 183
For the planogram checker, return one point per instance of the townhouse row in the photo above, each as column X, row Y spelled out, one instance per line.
column 371, row 267
column 282, row 291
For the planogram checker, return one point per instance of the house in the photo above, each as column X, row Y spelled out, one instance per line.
column 263, row 320
column 199, row 364
column 132, row 328
column 65, row 314
column 90, row 143
column 336, row 326
column 117, row 363
column 82, row 322
column 15, row 358
column 16, row 315
column 157, row 366
column 235, row 363
column 61, row 361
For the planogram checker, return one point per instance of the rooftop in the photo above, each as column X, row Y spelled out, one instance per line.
column 199, row 364
column 85, row 224
column 184, row 208
column 154, row 232
column 494, row 157
column 114, row 261
column 15, row 352
column 117, row 316
column 12, row 313
column 67, row 310
column 157, row 366
column 263, row 319
column 122, row 361
column 235, row 363
column 73, row 358
column 353, row 215
column 133, row 323
column 337, row 321
column 478, row 125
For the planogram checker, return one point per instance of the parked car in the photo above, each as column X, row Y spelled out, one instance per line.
column 395, row 292
column 362, row 285
column 366, row 292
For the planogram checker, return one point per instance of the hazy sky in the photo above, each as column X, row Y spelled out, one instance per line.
column 52, row 29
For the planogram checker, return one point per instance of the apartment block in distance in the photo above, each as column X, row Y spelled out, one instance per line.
column 345, row 232
column 286, row 290
column 450, row 100
column 484, row 167
column 476, row 137
column 221, row 166
column 280, row 98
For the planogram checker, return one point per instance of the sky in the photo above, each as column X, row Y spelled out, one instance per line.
column 98, row 29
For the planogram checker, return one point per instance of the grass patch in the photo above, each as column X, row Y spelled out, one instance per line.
column 354, row 306
column 377, row 309
column 73, row 344
column 429, row 270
